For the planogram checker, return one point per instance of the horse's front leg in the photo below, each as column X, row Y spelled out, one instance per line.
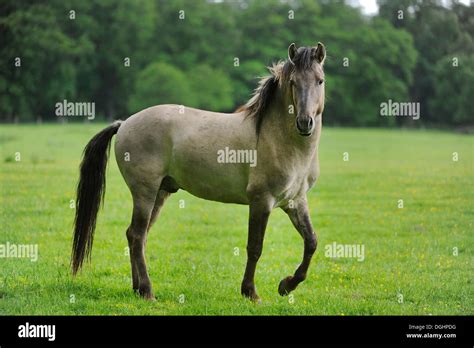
column 258, row 218
column 299, row 216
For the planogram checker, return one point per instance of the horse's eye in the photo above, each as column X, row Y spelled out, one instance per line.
column 320, row 82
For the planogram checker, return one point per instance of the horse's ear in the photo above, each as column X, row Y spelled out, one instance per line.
column 320, row 53
column 292, row 52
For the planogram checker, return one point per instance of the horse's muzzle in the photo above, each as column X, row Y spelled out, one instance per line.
column 305, row 125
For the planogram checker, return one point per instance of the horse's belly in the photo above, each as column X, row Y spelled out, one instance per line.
column 217, row 182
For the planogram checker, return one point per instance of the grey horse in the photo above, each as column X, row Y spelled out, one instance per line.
column 165, row 148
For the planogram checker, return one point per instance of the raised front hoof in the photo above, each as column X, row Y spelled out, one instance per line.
column 251, row 294
column 286, row 286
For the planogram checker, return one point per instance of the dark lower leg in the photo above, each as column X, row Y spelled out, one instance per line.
column 135, row 282
column 299, row 216
column 256, row 230
column 291, row 282
column 137, row 237
column 144, row 288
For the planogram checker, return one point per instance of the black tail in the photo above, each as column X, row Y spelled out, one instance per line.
column 90, row 193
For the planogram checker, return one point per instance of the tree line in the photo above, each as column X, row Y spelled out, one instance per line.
column 130, row 54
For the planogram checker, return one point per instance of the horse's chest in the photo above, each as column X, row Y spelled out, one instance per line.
column 296, row 183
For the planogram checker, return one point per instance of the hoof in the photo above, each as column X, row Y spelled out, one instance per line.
column 251, row 294
column 285, row 286
column 149, row 297
column 147, row 294
column 254, row 298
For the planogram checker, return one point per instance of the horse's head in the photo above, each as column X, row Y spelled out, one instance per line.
column 306, row 85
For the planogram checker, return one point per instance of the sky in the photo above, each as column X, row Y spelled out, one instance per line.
column 370, row 7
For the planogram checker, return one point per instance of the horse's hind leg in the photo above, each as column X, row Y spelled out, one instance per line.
column 167, row 187
column 143, row 205
column 135, row 282
column 299, row 216
column 160, row 200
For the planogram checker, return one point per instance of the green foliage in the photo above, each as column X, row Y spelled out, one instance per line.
column 439, row 35
column 83, row 59
column 453, row 90
column 161, row 83
column 36, row 43
column 245, row 77
column 212, row 87
column 368, row 48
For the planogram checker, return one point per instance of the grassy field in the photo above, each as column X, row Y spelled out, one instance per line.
column 418, row 259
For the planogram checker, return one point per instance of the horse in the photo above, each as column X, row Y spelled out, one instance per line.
column 164, row 148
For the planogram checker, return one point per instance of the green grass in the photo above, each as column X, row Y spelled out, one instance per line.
column 190, row 250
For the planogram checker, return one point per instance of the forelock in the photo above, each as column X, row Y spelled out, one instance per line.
column 304, row 58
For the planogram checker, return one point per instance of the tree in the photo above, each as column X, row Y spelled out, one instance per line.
column 454, row 90
column 210, row 54
column 37, row 71
column 438, row 32
column 212, row 87
column 161, row 83
column 118, row 30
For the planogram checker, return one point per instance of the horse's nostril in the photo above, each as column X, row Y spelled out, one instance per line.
column 304, row 124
